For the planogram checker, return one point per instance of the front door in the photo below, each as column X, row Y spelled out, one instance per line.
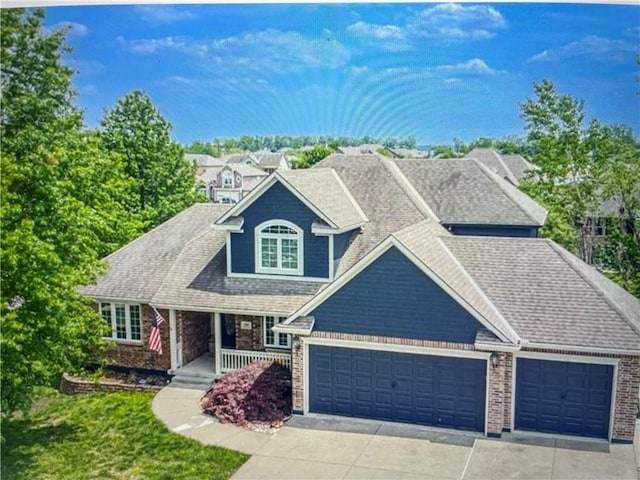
column 228, row 327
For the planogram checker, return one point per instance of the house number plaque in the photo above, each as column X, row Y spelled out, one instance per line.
column 245, row 325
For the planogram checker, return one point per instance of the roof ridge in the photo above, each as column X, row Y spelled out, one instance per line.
column 493, row 177
column 559, row 251
column 484, row 296
column 349, row 195
column 406, row 186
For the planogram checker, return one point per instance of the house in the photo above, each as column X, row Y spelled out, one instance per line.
column 230, row 182
column 270, row 162
column 347, row 274
column 510, row 167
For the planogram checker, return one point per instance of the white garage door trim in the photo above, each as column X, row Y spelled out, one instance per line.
column 566, row 358
column 387, row 347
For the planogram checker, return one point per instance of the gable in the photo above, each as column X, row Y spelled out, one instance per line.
column 393, row 297
column 278, row 203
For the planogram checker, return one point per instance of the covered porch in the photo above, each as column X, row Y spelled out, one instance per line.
column 205, row 345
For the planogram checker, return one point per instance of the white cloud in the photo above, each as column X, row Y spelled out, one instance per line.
column 386, row 37
column 450, row 21
column 280, row 51
column 271, row 51
column 474, row 66
column 593, row 47
column 151, row 46
column 163, row 13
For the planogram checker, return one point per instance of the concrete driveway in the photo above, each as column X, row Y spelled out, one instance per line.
column 319, row 447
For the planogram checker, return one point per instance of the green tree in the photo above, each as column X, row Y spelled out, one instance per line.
column 63, row 206
column 309, row 158
column 163, row 180
column 581, row 168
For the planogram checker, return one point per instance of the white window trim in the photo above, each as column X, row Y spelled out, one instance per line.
column 127, row 316
column 299, row 236
column 276, row 335
column 226, row 175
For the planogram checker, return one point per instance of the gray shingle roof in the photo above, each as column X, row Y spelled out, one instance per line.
column 463, row 191
column 328, row 194
column 203, row 160
column 518, row 165
column 137, row 269
column 198, row 280
column 493, row 160
column 548, row 295
column 381, row 196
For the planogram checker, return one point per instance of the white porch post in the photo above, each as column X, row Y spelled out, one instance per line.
column 173, row 339
column 218, row 343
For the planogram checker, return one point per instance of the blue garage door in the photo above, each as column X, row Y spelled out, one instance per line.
column 400, row 387
column 563, row 397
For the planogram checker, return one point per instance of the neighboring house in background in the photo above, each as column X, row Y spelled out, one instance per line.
column 406, row 153
column 347, row 274
column 510, row 167
column 241, row 158
column 202, row 160
column 365, row 149
column 270, row 162
column 231, row 182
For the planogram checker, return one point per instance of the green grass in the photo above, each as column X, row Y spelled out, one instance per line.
column 105, row 436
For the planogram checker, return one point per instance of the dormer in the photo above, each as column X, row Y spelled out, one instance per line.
column 295, row 225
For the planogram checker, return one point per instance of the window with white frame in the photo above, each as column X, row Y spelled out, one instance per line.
column 273, row 339
column 124, row 320
column 227, row 179
column 279, row 248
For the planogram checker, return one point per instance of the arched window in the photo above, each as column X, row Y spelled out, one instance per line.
column 279, row 248
column 227, row 179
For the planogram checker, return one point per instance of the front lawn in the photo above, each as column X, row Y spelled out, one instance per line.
column 105, row 436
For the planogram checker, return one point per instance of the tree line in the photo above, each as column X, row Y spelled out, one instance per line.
column 223, row 146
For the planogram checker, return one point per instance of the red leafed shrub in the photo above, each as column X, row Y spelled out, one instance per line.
column 257, row 393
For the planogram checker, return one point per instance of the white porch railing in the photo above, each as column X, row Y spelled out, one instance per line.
column 235, row 359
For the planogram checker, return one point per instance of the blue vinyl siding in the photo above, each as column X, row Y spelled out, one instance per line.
column 399, row 387
column 494, row 230
column 279, row 203
column 393, row 298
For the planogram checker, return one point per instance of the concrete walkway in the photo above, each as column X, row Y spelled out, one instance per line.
column 318, row 447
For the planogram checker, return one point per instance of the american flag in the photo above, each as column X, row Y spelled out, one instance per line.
column 155, row 343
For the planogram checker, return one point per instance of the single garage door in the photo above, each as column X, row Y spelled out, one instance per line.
column 400, row 387
column 563, row 397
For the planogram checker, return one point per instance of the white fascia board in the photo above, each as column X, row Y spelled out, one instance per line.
column 108, row 299
column 306, row 201
column 325, row 231
column 229, row 228
column 231, row 311
column 492, row 347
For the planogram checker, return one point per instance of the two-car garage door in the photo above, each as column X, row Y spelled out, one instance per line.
column 404, row 387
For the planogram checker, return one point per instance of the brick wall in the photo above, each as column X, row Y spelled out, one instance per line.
column 508, row 385
column 194, row 333
column 497, row 398
column 137, row 354
column 624, row 419
column 74, row 385
column 297, row 375
column 249, row 339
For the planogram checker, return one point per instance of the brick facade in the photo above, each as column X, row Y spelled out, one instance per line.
column 500, row 383
column 249, row 338
column 137, row 354
column 627, row 385
column 71, row 385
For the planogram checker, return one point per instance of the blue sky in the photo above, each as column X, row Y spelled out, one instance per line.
column 432, row 71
